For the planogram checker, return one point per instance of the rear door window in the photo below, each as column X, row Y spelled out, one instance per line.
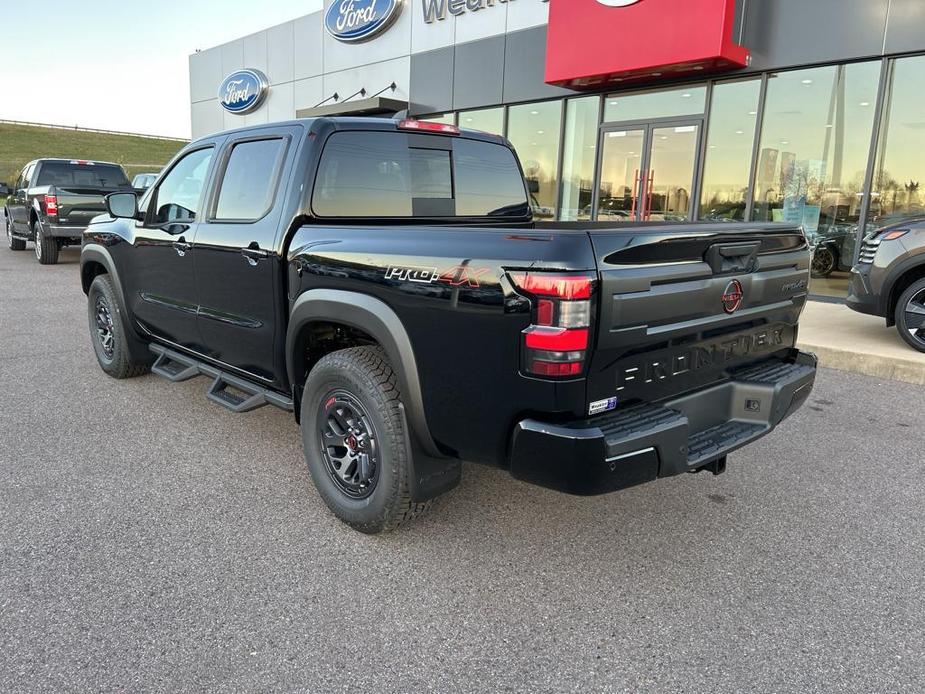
column 376, row 174
column 250, row 180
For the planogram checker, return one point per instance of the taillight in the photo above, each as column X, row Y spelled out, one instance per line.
column 428, row 126
column 556, row 344
column 51, row 205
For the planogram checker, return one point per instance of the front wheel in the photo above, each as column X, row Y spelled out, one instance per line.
column 910, row 316
column 46, row 247
column 108, row 331
column 823, row 262
column 354, row 438
column 13, row 243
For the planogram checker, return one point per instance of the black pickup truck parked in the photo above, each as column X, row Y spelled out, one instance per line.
column 53, row 201
column 386, row 282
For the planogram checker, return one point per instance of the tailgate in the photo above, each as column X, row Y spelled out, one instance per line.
column 78, row 205
column 683, row 304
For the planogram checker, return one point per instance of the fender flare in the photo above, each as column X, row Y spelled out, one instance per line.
column 374, row 317
column 96, row 253
column 893, row 277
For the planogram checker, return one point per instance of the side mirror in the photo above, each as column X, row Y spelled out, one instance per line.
column 122, row 205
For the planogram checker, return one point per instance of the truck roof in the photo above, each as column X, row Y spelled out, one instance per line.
column 74, row 159
column 352, row 123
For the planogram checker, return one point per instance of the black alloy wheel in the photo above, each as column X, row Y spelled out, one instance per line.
column 823, row 262
column 105, row 331
column 349, row 444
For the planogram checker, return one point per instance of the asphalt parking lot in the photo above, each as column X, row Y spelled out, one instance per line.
column 150, row 540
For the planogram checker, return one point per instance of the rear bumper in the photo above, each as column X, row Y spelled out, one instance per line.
column 58, row 231
column 645, row 442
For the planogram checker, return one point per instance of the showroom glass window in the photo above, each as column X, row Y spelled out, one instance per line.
column 646, row 106
column 898, row 190
column 533, row 129
column 730, row 141
column 250, row 180
column 579, row 155
column 488, row 120
column 814, row 147
column 445, row 118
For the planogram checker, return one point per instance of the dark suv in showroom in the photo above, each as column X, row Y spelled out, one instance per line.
column 889, row 279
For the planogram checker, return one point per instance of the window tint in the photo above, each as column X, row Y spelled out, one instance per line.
column 178, row 194
column 488, row 181
column 249, row 182
column 65, row 173
column 379, row 175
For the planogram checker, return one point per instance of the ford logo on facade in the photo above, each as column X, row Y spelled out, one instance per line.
column 360, row 20
column 243, row 91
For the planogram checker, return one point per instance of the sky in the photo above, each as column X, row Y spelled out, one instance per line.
column 122, row 65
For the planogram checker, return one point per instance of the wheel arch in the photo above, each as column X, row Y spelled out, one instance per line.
column 902, row 278
column 95, row 260
column 374, row 318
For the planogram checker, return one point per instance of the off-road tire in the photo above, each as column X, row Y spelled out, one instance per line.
column 12, row 242
column 46, row 247
column 365, row 374
column 915, row 290
column 118, row 363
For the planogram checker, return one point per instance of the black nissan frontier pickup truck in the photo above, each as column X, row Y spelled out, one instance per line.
column 386, row 282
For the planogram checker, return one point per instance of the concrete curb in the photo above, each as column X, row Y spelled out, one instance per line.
column 891, row 368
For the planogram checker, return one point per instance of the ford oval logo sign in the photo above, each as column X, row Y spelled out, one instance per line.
column 360, row 20
column 243, row 91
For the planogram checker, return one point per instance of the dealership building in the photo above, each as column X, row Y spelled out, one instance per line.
column 809, row 111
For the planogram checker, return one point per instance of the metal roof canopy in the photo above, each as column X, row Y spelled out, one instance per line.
column 373, row 106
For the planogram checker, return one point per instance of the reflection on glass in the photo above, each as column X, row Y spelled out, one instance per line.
column 813, row 156
column 897, row 191
column 533, row 129
column 671, row 173
column 446, row 119
column 488, row 120
column 578, row 158
column 733, row 121
column 621, row 161
column 686, row 101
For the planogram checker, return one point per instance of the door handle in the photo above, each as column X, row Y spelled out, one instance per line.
column 181, row 246
column 254, row 253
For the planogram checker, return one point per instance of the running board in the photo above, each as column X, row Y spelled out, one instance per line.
column 231, row 392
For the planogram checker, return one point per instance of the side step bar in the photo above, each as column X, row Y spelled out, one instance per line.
column 243, row 395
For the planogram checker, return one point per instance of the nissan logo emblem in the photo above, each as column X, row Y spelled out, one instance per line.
column 618, row 3
column 732, row 297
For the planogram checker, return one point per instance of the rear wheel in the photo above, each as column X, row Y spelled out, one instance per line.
column 46, row 247
column 910, row 316
column 108, row 331
column 14, row 244
column 354, row 439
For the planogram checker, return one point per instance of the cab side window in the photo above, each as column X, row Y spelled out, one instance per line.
column 25, row 180
column 250, row 180
column 178, row 196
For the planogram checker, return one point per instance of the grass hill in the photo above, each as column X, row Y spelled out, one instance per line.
column 22, row 143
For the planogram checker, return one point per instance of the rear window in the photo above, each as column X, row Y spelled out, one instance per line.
column 365, row 174
column 63, row 173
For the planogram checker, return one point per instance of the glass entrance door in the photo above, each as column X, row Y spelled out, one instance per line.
column 647, row 172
